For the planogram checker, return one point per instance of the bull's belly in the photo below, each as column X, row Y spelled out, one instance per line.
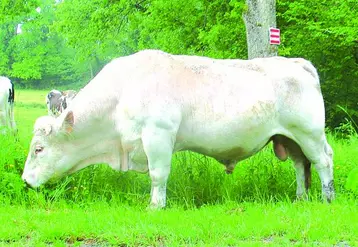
column 228, row 154
column 226, row 143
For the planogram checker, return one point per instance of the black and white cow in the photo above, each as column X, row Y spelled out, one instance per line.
column 57, row 101
column 7, row 97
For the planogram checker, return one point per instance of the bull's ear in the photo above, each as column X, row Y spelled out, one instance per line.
column 68, row 122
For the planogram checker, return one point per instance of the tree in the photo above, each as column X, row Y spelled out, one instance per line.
column 209, row 28
column 10, row 9
column 325, row 32
column 38, row 56
column 259, row 16
column 10, row 12
column 104, row 21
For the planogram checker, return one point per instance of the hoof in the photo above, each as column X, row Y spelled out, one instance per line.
column 154, row 207
column 228, row 171
column 302, row 197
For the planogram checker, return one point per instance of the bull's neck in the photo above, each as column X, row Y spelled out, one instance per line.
column 93, row 114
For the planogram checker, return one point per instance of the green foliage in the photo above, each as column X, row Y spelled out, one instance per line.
column 347, row 129
column 352, row 181
column 10, row 8
column 12, row 158
column 213, row 28
column 37, row 56
column 192, row 27
column 325, row 32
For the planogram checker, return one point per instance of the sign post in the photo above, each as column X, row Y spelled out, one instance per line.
column 274, row 36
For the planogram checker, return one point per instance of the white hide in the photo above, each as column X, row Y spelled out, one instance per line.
column 142, row 108
column 6, row 105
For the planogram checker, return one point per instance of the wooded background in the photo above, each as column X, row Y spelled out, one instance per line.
column 65, row 43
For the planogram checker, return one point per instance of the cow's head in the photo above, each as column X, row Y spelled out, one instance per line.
column 47, row 157
column 63, row 102
column 54, row 101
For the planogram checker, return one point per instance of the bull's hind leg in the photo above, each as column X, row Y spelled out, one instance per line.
column 285, row 147
column 303, row 172
column 158, row 146
column 319, row 152
column 324, row 166
column 303, row 177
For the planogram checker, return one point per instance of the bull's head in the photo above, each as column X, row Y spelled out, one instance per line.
column 45, row 159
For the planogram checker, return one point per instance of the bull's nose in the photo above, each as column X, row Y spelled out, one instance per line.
column 25, row 178
column 26, row 184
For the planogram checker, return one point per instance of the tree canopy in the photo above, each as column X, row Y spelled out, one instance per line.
column 65, row 43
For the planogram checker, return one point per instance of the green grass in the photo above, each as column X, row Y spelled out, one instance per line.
column 252, row 207
column 29, row 104
column 230, row 224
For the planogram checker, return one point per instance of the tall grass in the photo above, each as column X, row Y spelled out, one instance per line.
column 195, row 180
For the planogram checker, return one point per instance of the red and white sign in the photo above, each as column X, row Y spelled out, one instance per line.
column 274, row 36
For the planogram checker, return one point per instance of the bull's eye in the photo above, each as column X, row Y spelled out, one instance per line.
column 38, row 149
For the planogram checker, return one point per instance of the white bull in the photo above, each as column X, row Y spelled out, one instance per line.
column 7, row 95
column 142, row 108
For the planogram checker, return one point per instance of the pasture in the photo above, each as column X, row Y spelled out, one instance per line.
column 100, row 207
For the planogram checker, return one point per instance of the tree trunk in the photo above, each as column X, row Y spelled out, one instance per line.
column 259, row 17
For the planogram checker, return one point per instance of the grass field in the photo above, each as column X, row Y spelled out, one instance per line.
column 100, row 207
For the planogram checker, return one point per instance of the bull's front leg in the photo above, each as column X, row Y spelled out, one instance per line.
column 158, row 146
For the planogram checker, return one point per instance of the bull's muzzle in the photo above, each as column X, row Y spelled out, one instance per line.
column 26, row 184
